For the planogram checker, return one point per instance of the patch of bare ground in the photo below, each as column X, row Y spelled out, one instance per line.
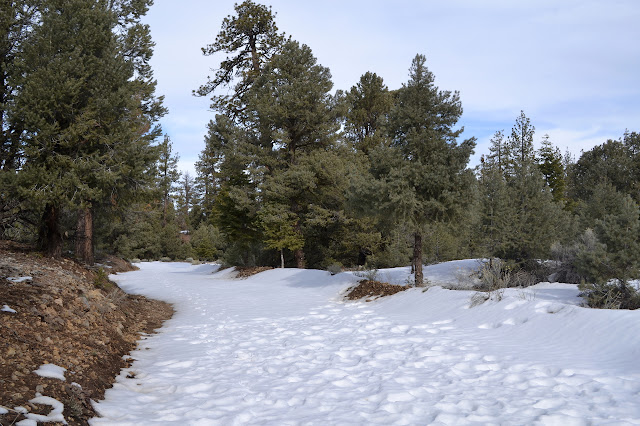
column 373, row 289
column 247, row 271
column 70, row 316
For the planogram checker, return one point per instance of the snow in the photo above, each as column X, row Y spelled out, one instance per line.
column 6, row 308
column 453, row 274
column 51, row 370
column 282, row 347
column 55, row 415
column 19, row 279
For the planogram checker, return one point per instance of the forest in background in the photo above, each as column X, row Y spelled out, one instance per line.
column 293, row 173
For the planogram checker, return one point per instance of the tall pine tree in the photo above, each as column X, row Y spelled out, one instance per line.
column 87, row 107
column 251, row 38
column 430, row 183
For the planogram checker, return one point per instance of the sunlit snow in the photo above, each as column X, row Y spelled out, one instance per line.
column 55, row 415
column 51, row 370
column 282, row 347
column 6, row 308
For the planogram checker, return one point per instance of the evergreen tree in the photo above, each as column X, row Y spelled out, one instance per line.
column 500, row 154
column 613, row 259
column 16, row 20
column 292, row 99
column 207, row 242
column 168, row 176
column 186, row 199
column 207, row 180
column 497, row 210
column 529, row 219
column 551, row 165
column 251, row 37
column 235, row 207
column 430, row 183
column 520, row 145
column 368, row 105
column 615, row 162
column 86, row 105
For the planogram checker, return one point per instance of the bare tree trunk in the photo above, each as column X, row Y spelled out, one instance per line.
column 84, row 236
column 298, row 254
column 50, row 236
column 282, row 258
column 417, row 259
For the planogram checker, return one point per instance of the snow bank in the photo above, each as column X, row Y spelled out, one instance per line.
column 282, row 347
column 19, row 279
column 51, row 370
column 6, row 308
column 55, row 415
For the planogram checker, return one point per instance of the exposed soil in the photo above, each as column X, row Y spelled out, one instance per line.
column 247, row 271
column 373, row 289
column 70, row 316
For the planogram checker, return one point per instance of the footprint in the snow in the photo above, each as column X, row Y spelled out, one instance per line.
column 442, row 322
column 549, row 307
column 487, row 367
column 516, row 321
column 490, row 325
column 515, row 304
column 400, row 329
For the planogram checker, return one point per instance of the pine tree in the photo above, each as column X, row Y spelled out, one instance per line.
column 613, row 259
column 431, row 181
column 550, row 163
column 251, row 37
column 368, row 105
column 500, row 154
column 292, row 99
column 529, row 220
column 615, row 162
column 87, row 107
column 186, row 199
column 317, row 186
column 168, row 176
column 230, row 164
column 497, row 210
column 16, row 20
column 207, row 180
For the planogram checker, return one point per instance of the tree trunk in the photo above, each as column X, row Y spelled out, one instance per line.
column 298, row 254
column 84, row 236
column 417, row 259
column 50, row 236
column 282, row 258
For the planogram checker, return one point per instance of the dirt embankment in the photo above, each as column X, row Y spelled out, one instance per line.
column 373, row 289
column 59, row 312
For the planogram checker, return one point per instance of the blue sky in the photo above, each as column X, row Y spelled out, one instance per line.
column 573, row 66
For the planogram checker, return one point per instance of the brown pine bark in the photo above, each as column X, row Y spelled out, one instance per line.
column 299, row 256
column 84, row 236
column 50, row 237
column 417, row 259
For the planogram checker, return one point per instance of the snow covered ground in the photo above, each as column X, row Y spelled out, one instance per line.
column 283, row 348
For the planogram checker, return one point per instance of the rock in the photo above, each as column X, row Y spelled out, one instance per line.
column 58, row 301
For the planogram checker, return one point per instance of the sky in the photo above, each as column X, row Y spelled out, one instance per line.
column 572, row 66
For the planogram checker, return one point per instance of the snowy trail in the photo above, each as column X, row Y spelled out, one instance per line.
column 281, row 348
